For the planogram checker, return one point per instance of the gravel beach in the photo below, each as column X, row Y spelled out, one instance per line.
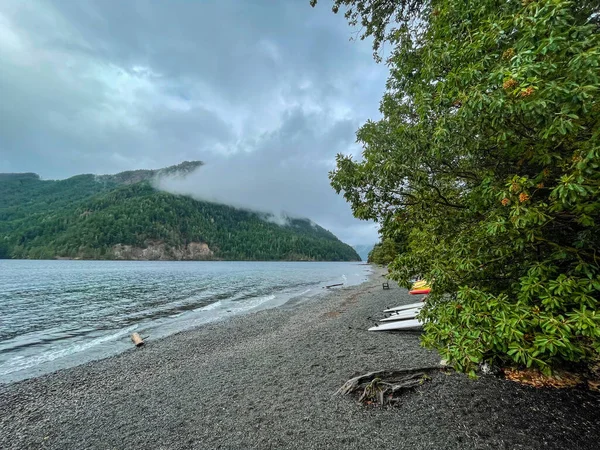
column 266, row 380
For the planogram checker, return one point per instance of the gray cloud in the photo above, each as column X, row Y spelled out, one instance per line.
column 266, row 93
column 286, row 174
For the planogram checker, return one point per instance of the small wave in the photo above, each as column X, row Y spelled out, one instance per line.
column 237, row 305
column 212, row 306
column 46, row 319
column 257, row 301
column 18, row 363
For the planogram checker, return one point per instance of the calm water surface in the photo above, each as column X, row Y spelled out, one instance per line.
column 57, row 314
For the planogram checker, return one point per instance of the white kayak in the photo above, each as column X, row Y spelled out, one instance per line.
column 412, row 324
column 406, row 314
column 403, row 307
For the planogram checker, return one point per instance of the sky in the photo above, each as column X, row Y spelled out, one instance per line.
column 264, row 92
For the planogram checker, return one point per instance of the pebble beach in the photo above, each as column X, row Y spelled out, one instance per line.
column 267, row 380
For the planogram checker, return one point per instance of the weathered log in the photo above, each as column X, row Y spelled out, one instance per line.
column 409, row 383
column 384, row 387
column 137, row 339
column 333, row 285
column 354, row 383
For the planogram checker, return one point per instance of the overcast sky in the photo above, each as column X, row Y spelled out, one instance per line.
column 266, row 93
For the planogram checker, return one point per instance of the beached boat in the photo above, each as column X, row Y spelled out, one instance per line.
column 420, row 287
column 403, row 315
column 413, row 324
column 403, row 307
column 420, row 291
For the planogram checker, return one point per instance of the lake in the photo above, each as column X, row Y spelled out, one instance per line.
column 57, row 314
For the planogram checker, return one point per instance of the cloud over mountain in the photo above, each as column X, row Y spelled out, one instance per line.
column 266, row 93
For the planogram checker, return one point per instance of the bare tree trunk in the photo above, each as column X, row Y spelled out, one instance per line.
column 385, row 386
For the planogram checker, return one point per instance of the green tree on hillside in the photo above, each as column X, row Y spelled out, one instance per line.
column 488, row 158
column 4, row 250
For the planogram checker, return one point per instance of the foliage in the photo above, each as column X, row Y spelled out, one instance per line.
column 86, row 216
column 4, row 250
column 384, row 252
column 487, row 158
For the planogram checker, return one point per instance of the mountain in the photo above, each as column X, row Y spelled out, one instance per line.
column 123, row 216
column 363, row 250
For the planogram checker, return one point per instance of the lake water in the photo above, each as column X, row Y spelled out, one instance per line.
column 57, row 314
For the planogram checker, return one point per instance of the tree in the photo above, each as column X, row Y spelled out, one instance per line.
column 384, row 252
column 487, row 157
column 4, row 251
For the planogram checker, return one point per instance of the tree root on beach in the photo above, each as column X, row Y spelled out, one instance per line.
column 384, row 387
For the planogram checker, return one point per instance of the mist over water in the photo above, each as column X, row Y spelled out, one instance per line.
column 56, row 314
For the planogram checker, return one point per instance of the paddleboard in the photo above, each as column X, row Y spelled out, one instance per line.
column 402, row 307
column 406, row 314
column 412, row 324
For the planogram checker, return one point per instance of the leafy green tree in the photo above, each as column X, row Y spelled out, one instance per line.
column 487, row 157
column 384, row 252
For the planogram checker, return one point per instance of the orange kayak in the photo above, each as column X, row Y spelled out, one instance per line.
column 420, row 291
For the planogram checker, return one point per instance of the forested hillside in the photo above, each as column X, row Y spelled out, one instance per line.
column 124, row 217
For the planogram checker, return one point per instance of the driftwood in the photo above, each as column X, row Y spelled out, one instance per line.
column 383, row 387
column 137, row 339
column 333, row 285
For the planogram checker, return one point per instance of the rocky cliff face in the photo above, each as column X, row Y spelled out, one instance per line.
column 159, row 251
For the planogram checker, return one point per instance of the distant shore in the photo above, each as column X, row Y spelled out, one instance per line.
column 77, row 258
column 266, row 380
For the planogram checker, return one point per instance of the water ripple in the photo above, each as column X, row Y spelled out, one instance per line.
column 72, row 311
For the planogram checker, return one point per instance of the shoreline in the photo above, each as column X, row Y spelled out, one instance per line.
column 111, row 341
column 266, row 379
column 291, row 302
column 69, row 258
